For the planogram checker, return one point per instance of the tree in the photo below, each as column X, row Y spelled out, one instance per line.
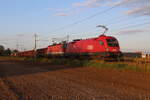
column 7, row 52
column 2, row 49
column 15, row 51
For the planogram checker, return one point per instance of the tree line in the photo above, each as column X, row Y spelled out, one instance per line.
column 6, row 52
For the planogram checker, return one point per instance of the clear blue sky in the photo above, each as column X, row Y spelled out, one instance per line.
column 20, row 19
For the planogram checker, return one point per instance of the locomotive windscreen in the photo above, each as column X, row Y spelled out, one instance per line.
column 112, row 42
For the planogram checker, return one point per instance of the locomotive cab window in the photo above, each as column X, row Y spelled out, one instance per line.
column 112, row 42
column 101, row 42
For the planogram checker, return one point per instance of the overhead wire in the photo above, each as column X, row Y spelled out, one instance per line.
column 87, row 18
column 130, row 27
column 123, row 20
column 134, row 25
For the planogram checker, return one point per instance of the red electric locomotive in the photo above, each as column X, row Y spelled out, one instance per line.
column 102, row 46
column 55, row 50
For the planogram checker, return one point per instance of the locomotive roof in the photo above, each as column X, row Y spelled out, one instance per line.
column 77, row 40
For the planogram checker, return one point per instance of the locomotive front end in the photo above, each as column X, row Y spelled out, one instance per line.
column 112, row 47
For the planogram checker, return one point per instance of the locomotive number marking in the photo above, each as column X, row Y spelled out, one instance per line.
column 90, row 47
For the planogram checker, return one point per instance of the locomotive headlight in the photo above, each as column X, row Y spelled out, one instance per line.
column 107, row 49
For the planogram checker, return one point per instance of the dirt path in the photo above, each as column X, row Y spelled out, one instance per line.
column 28, row 81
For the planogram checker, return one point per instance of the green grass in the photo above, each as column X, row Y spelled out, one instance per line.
column 119, row 66
column 98, row 64
column 93, row 63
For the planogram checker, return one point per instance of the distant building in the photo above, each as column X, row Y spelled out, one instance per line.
column 145, row 55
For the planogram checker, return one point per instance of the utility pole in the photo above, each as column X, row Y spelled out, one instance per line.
column 17, row 46
column 35, row 47
column 67, row 38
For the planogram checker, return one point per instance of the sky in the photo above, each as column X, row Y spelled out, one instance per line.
column 127, row 20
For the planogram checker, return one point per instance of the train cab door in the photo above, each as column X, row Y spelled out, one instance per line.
column 102, row 45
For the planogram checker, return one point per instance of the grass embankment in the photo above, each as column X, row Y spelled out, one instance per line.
column 135, row 66
column 102, row 64
column 132, row 64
